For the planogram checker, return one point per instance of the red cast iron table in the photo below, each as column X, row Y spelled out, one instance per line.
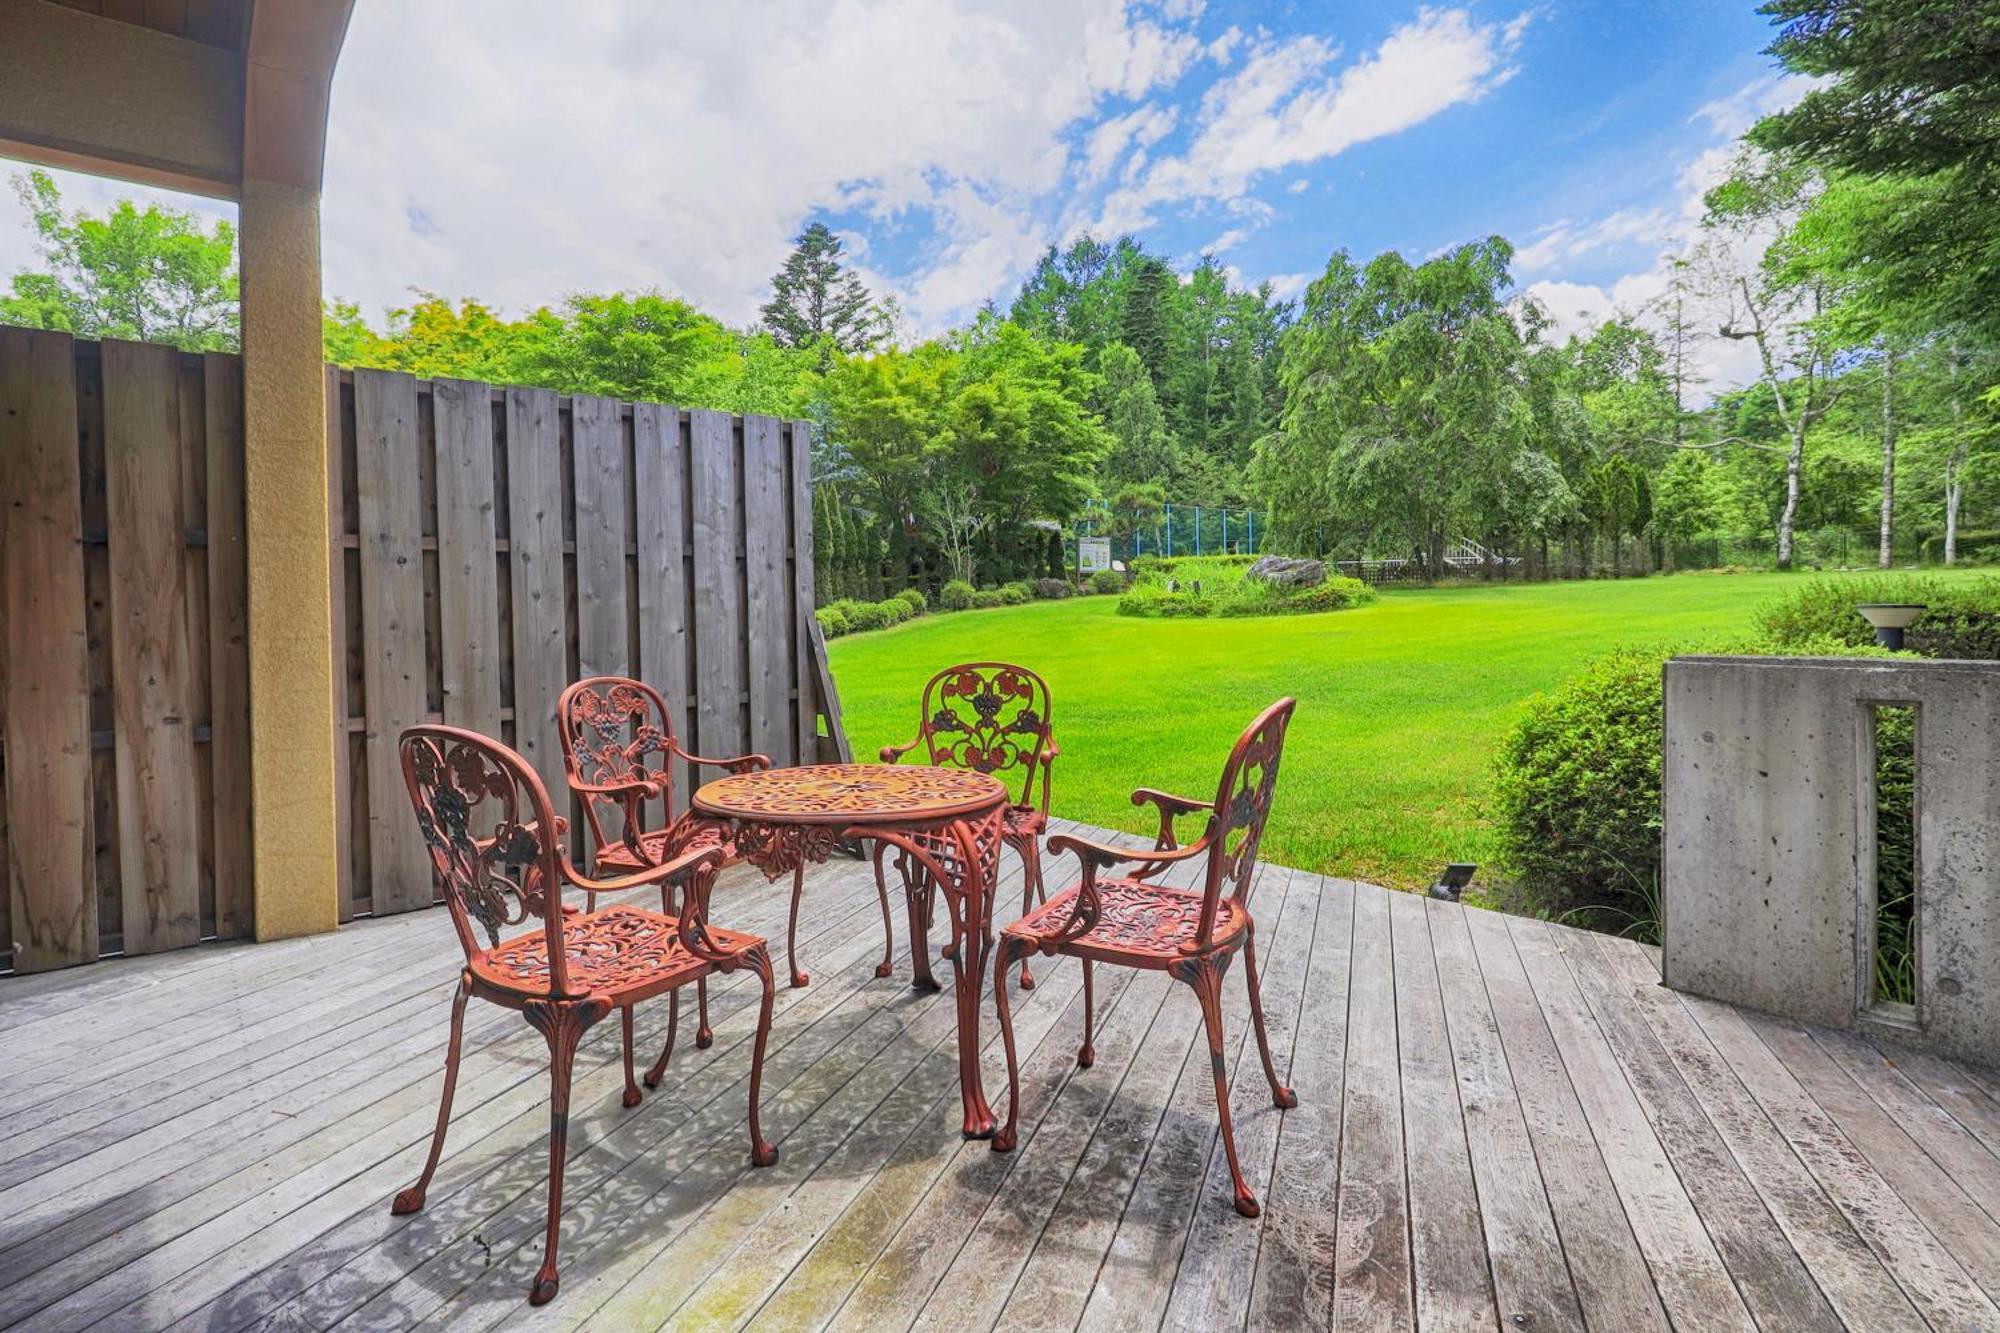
column 946, row 824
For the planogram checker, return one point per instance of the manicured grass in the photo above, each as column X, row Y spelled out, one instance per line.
column 1401, row 704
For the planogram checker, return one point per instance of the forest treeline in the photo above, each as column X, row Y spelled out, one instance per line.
column 1395, row 408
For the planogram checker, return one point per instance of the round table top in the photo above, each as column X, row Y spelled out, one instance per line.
column 850, row 794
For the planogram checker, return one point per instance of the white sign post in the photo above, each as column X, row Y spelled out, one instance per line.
column 1092, row 554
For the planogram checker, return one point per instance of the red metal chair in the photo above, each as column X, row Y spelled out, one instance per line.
column 618, row 741
column 991, row 717
column 1192, row 936
column 497, row 850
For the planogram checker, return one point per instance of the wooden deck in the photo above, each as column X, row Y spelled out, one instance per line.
column 1502, row 1124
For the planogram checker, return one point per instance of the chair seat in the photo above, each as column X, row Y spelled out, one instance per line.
column 686, row 835
column 1143, row 924
column 625, row 953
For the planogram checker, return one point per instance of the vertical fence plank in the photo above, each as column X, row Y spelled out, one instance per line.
column 718, row 586
column 228, row 645
column 158, row 841
column 805, row 699
column 337, row 443
column 534, row 514
column 468, row 581
column 767, row 592
column 660, row 477
column 392, row 618
column 45, row 706
column 601, row 606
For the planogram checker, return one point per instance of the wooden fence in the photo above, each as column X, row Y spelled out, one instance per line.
column 124, row 741
column 490, row 546
column 495, row 544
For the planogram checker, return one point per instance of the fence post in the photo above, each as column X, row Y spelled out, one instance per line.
column 1250, row 516
column 1197, row 529
column 1225, row 530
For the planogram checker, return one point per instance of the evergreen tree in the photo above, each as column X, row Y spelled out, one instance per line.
column 1144, row 326
column 816, row 299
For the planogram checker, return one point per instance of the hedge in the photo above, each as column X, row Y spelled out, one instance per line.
column 1962, row 619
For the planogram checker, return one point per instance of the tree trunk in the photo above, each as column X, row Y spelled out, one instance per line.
column 1887, row 551
column 1794, row 462
column 1954, row 488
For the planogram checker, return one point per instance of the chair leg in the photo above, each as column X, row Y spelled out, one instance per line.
column 916, row 897
column 562, row 1024
column 704, row 1036
column 1281, row 1096
column 659, row 1069
column 1010, row 949
column 762, row 1152
column 412, row 1199
column 1086, row 1054
column 792, row 928
column 632, row 1093
column 1204, row 973
column 883, row 969
column 1031, row 890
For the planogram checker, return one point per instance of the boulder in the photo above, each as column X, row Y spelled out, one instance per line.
column 1288, row 571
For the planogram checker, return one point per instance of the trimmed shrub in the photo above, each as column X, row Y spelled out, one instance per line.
column 832, row 621
column 1107, row 581
column 1963, row 619
column 956, row 595
column 1017, row 593
column 988, row 598
column 916, row 599
column 1216, row 586
column 1051, row 590
column 1576, row 789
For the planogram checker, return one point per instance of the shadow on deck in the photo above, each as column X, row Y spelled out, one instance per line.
column 1502, row 1124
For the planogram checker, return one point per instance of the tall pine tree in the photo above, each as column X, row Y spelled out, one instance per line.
column 816, row 297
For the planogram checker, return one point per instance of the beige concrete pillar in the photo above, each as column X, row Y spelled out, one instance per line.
column 291, row 626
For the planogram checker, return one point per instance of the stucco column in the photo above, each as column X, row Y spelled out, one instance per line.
column 291, row 625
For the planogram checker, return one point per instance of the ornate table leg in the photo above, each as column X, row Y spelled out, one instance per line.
column 784, row 849
column 970, row 866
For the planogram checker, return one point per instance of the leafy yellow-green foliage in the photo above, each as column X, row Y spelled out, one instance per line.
column 1403, row 704
column 1216, row 586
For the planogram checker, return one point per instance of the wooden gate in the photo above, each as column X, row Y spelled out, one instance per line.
column 491, row 545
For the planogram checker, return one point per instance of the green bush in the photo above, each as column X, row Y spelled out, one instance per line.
column 1577, row 785
column 1017, row 593
column 956, row 595
column 988, row 598
column 1051, row 590
column 1107, row 581
column 1962, row 619
column 1981, row 545
column 1214, row 585
column 832, row 621
column 916, row 599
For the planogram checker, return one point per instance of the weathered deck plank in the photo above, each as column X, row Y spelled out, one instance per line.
column 1499, row 1120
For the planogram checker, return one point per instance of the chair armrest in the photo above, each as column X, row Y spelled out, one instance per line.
column 891, row 753
column 1097, row 856
column 674, row 868
column 643, row 788
column 742, row 763
column 1171, row 807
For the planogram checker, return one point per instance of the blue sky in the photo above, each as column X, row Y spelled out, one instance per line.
column 518, row 151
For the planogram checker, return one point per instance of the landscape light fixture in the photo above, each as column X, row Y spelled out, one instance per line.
column 1890, row 619
column 1453, row 880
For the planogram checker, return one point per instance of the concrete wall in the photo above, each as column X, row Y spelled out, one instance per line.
column 1768, row 849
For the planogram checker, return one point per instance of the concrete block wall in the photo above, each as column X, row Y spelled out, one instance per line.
column 1768, row 854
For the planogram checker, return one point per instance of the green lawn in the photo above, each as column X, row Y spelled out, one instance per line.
column 1401, row 704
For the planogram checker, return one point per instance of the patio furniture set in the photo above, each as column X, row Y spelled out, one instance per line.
column 500, row 857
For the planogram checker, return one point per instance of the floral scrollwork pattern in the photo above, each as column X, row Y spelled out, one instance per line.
column 488, row 856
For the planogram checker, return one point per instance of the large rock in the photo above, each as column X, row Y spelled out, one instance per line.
column 1288, row 571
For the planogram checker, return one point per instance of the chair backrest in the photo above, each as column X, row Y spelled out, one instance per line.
column 1242, row 803
column 990, row 717
column 614, row 731
column 494, row 842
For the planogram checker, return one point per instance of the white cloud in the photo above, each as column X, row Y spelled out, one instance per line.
column 1669, row 227
column 1287, row 106
column 1229, row 240
column 1298, row 186
column 1103, row 146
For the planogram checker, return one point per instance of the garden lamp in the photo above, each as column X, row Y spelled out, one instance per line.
column 1890, row 619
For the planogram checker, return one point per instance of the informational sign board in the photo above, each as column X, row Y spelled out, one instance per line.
column 1092, row 554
